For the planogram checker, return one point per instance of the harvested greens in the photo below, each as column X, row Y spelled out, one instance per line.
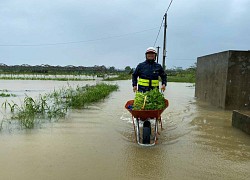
column 150, row 100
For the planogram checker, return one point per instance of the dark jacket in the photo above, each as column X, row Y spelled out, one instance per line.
column 148, row 70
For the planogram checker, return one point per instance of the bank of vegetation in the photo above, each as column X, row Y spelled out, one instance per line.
column 23, row 77
column 77, row 73
column 174, row 75
column 182, row 75
column 55, row 105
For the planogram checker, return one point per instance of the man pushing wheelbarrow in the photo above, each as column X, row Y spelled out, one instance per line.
column 149, row 72
column 149, row 103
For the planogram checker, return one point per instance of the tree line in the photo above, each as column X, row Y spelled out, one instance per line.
column 176, row 74
column 49, row 69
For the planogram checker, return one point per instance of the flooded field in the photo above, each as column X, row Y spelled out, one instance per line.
column 197, row 142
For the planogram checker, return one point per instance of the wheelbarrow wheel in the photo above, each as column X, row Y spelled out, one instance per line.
column 146, row 132
column 146, row 135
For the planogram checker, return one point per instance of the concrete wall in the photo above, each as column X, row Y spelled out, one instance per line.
column 223, row 79
column 238, row 80
column 211, row 78
column 241, row 120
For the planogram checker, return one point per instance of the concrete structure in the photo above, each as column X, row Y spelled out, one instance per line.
column 223, row 79
column 241, row 120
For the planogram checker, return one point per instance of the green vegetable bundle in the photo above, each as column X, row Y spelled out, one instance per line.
column 150, row 100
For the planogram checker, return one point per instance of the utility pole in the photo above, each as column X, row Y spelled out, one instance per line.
column 158, row 50
column 164, row 43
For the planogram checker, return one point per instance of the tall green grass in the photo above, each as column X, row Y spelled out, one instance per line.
column 3, row 93
column 56, row 104
column 7, row 95
column 89, row 94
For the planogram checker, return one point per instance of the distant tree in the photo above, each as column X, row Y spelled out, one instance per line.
column 192, row 69
column 193, row 66
column 127, row 68
column 112, row 69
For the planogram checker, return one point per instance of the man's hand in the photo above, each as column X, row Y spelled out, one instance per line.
column 163, row 87
column 135, row 88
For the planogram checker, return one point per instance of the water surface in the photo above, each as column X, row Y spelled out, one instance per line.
column 197, row 142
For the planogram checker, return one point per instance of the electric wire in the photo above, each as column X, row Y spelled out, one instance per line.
column 76, row 42
column 158, row 32
column 169, row 6
column 180, row 59
column 91, row 40
column 162, row 22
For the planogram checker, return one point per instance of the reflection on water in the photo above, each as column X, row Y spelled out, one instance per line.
column 197, row 142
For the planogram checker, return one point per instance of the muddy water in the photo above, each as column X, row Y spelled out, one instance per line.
column 197, row 142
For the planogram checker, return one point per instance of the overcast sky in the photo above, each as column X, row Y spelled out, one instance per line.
column 117, row 32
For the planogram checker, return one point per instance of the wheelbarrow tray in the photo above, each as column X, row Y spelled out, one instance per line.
column 145, row 114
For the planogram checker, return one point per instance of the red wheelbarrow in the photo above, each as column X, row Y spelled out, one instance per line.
column 143, row 120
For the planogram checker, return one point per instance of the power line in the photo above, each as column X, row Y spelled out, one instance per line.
column 159, row 31
column 164, row 53
column 162, row 22
column 169, row 6
column 181, row 59
column 76, row 42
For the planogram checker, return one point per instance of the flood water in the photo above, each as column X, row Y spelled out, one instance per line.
column 197, row 142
